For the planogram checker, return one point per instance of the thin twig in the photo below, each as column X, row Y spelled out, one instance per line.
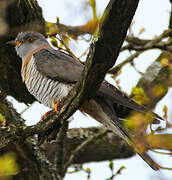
column 129, row 59
column 25, row 109
column 82, row 146
column 167, row 168
column 142, row 45
column 67, row 48
column 167, row 153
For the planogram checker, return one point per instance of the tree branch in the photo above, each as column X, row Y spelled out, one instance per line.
column 140, row 46
column 118, row 17
column 156, row 80
column 81, row 147
column 92, row 144
column 157, row 43
column 102, row 56
column 106, row 45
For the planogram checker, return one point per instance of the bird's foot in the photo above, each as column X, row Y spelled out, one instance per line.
column 46, row 114
column 56, row 105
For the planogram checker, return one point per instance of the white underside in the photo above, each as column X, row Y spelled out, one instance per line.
column 46, row 90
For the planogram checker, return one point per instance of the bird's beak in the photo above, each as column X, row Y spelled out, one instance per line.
column 14, row 43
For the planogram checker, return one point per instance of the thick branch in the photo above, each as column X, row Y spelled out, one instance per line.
column 106, row 46
column 156, row 80
column 41, row 127
column 102, row 55
column 107, row 147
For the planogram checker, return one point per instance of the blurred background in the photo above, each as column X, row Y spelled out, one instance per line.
column 151, row 19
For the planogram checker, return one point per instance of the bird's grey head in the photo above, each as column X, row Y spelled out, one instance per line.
column 28, row 41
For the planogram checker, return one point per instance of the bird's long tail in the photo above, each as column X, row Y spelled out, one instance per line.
column 119, row 130
column 149, row 161
column 105, row 113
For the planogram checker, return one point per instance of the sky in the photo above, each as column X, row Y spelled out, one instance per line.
column 153, row 16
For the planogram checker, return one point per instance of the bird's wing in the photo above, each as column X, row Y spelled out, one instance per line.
column 62, row 67
column 58, row 65
column 110, row 92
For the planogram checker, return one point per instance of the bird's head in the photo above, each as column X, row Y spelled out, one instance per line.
column 28, row 41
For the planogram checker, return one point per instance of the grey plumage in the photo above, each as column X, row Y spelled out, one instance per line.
column 46, row 90
column 50, row 74
column 58, row 65
column 22, row 51
column 62, row 67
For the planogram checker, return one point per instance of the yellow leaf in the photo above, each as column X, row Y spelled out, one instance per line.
column 8, row 165
column 139, row 95
column 88, row 170
column 164, row 62
column 66, row 39
column 49, row 24
column 51, row 29
column 141, row 31
column 111, row 165
column 138, row 122
column 2, row 120
column 120, row 169
column 165, row 109
column 159, row 90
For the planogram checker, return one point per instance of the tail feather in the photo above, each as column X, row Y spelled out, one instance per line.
column 119, row 130
column 111, row 121
column 149, row 161
column 118, row 97
column 127, row 138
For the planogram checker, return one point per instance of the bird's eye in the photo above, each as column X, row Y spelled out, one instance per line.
column 30, row 40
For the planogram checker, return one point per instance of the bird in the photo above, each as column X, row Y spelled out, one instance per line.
column 50, row 74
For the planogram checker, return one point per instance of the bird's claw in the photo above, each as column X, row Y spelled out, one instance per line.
column 46, row 114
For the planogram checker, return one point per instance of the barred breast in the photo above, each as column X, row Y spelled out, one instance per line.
column 45, row 90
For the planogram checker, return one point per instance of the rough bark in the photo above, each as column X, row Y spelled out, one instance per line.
column 107, row 147
column 28, row 16
column 102, row 55
column 17, row 16
column 156, row 80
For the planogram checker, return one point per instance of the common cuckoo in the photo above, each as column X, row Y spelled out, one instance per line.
column 49, row 75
